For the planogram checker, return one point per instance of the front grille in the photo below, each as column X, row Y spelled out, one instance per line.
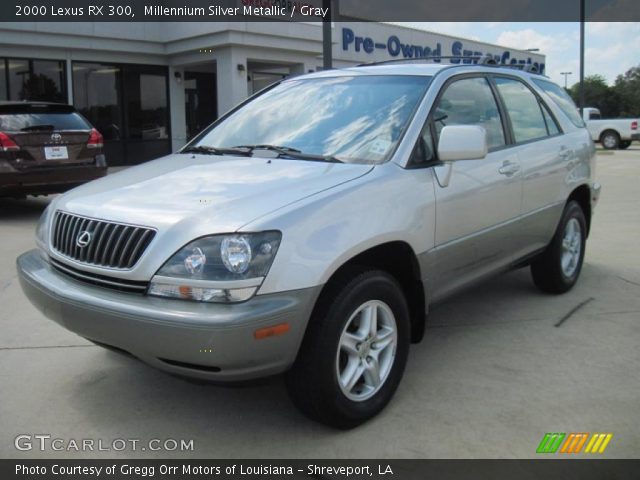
column 129, row 286
column 106, row 244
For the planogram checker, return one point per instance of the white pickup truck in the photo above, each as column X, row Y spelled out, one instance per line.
column 613, row 133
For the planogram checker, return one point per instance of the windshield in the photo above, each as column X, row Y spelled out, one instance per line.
column 357, row 119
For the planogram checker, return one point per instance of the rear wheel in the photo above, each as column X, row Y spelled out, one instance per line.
column 558, row 268
column 610, row 140
column 624, row 144
column 354, row 352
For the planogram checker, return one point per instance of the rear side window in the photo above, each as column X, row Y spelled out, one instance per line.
column 562, row 99
column 552, row 125
column 470, row 101
column 15, row 122
column 525, row 112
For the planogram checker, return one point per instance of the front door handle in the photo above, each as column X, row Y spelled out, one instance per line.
column 509, row 168
column 565, row 153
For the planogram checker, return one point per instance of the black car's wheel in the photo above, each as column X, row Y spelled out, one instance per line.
column 610, row 140
column 624, row 144
column 557, row 269
column 354, row 352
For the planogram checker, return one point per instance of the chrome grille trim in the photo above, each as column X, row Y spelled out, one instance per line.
column 100, row 280
column 112, row 245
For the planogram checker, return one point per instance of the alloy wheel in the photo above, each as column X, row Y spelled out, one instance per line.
column 366, row 350
column 571, row 247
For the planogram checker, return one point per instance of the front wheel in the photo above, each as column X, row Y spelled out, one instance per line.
column 354, row 352
column 557, row 269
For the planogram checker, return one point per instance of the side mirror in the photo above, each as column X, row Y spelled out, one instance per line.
column 462, row 142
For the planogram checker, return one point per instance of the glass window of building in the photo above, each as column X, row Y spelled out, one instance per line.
column 48, row 81
column 96, row 94
column 129, row 105
column 201, row 105
column 42, row 80
column 146, row 96
column 4, row 95
column 19, row 75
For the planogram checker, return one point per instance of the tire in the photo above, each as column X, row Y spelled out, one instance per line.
column 557, row 269
column 624, row 144
column 610, row 140
column 335, row 345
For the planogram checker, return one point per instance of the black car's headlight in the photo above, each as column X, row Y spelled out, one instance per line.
column 219, row 268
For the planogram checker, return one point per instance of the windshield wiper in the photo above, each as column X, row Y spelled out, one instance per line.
column 35, row 128
column 315, row 158
column 292, row 153
column 206, row 150
column 273, row 148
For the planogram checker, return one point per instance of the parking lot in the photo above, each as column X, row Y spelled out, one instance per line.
column 501, row 365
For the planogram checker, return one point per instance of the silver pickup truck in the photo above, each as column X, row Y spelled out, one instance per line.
column 308, row 230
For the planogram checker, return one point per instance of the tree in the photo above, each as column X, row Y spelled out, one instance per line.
column 627, row 87
column 599, row 95
column 620, row 100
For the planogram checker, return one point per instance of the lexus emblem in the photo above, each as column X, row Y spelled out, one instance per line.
column 56, row 137
column 84, row 238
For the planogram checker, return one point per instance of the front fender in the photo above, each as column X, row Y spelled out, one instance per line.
column 323, row 232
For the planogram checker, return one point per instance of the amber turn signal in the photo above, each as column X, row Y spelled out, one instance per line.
column 271, row 331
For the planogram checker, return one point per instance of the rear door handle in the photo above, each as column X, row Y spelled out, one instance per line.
column 509, row 168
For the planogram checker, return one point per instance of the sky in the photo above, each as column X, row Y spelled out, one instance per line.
column 610, row 48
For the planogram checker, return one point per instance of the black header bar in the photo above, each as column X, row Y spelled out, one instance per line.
column 560, row 469
column 317, row 10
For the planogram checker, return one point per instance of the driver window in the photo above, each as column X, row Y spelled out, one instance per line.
column 470, row 101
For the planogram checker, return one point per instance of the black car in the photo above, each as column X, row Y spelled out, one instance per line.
column 46, row 148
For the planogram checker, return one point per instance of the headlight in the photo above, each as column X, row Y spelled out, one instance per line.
column 42, row 231
column 219, row 268
column 236, row 253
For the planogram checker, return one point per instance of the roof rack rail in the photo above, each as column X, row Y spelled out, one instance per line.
column 420, row 59
column 479, row 60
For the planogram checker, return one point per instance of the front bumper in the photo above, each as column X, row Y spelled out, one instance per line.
column 207, row 341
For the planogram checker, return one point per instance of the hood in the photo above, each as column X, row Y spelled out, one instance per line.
column 219, row 194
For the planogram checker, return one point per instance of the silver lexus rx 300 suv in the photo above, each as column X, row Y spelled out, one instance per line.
column 308, row 230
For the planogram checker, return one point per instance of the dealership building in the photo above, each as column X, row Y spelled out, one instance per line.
column 149, row 87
